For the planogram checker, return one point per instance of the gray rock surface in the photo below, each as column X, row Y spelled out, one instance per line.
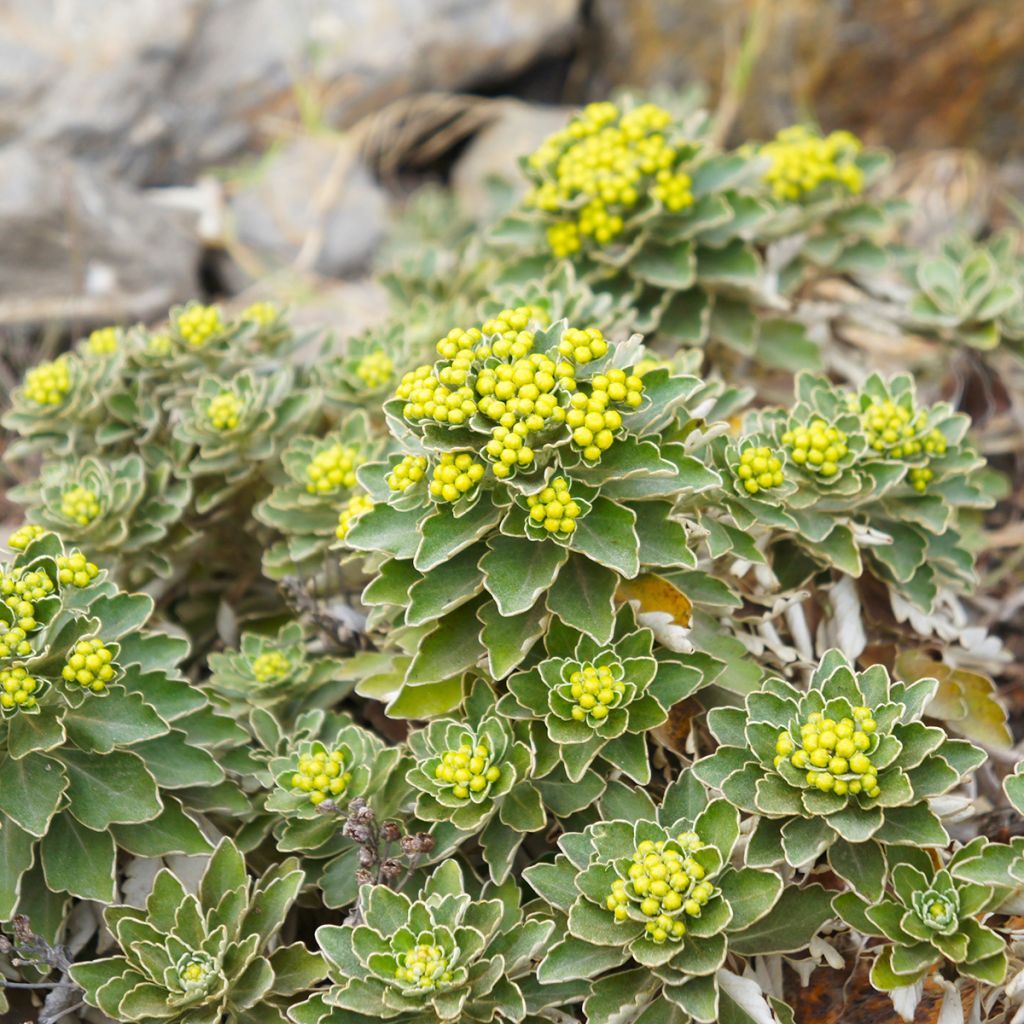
column 77, row 245
column 312, row 204
column 155, row 90
column 493, row 155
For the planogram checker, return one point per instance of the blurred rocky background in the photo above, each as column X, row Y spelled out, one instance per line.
column 156, row 150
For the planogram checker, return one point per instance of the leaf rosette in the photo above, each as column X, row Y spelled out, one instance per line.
column 846, row 766
column 599, row 701
column 235, row 424
column 207, row 957
column 642, row 202
column 654, row 905
column 443, row 956
column 268, row 671
column 106, row 748
column 117, row 509
column 320, row 476
column 58, row 404
column 929, row 917
column 879, row 479
column 311, row 774
column 475, row 774
column 529, row 517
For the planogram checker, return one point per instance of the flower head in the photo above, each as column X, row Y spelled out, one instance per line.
column 800, row 161
column 104, row 341
column 80, row 504
column 197, row 324
column 48, row 383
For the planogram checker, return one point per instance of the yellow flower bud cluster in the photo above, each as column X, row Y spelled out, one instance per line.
column 17, row 689
column 224, row 410
column 836, row 755
column 553, row 508
column 426, row 398
column 80, row 505
column 14, row 643
column 270, row 666
column 357, row 505
column 817, row 447
column 195, row 973
column 90, row 665
column 424, row 967
column 75, row 570
column 673, row 190
column 24, row 535
column 198, row 324
column 760, row 469
column 455, row 475
column 801, row 160
column 375, row 369
column 159, row 344
column 613, row 160
column 920, row 477
column 321, row 775
column 48, row 383
column 407, row 473
column 20, row 590
column 596, row 690
column 467, row 770
column 262, row 313
column 104, row 341
column 593, row 424
column 665, row 884
column 583, row 345
column 332, row 468
column 894, row 430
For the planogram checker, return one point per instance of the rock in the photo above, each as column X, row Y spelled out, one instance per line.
column 918, row 75
column 492, row 156
column 313, row 204
column 76, row 245
column 156, row 90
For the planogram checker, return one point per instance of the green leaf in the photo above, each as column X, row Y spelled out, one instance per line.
column 508, row 638
column 573, row 958
column 784, row 345
column 839, row 549
column 31, row 790
column 523, row 809
column 517, row 571
column 121, row 613
column 450, row 648
column 40, row 732
column 667, row 267
column 119, row 720
column 861, row 864
column 16, row 850
column 444, row 535
column 108, row 789
column 439, row 592
column 175, row 763
column 384, row 528
column 803, row 839
column 79, row 860
column 172, row 831
column 793, row 921
column 916, row 825
column 606, row 535
column 427, row 700
column 499, row 844
column 296, row 969
column 733, row 264
column 751, row 894
column 583, row 597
